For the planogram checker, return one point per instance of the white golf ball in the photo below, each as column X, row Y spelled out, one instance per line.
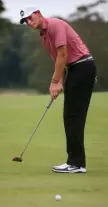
column 58, row 197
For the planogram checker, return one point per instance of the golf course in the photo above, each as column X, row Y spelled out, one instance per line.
column 32, row 183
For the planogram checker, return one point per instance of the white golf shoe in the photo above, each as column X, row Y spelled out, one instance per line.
column 65, row 168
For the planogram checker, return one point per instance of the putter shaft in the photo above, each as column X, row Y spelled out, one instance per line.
column 19, row 159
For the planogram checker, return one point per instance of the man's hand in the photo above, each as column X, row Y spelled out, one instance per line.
column 55, row 89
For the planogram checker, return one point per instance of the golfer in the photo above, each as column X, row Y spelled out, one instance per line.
column 74, row 73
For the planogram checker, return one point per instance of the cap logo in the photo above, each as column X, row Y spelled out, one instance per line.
column 22, row 13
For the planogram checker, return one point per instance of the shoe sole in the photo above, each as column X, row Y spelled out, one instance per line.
column 73, row 171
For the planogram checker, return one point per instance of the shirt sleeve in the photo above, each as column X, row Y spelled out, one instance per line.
column 60, row 38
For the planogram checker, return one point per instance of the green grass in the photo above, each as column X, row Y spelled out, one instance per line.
column 32, row 183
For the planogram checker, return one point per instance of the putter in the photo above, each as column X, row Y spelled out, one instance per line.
column 19, row 159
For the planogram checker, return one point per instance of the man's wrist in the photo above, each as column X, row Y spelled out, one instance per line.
column 54, row 81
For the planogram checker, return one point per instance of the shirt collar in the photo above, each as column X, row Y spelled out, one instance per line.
column 45, row 26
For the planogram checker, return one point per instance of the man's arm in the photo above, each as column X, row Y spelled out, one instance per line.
column 61, row 61
column 60, row 42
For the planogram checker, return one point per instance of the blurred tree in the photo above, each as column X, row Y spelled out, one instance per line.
column 35, row 63
column 89, row 11
column 25, row 63
column 95, row 35
column 1, row 6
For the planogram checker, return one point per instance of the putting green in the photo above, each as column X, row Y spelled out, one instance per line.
column 32, row 182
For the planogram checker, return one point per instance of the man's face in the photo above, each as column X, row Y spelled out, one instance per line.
column 34, row 20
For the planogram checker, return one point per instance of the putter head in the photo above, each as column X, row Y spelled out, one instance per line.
column 17, row 159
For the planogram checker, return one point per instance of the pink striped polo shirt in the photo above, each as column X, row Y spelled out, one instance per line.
column 56, row 33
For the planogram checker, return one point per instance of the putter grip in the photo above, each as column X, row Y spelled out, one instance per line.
column 49, row 103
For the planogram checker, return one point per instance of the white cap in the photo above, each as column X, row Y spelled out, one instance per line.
column 27, row 11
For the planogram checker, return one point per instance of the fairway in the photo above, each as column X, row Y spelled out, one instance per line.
column 32, row 182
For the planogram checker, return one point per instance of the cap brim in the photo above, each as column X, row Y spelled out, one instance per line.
column 22, row 20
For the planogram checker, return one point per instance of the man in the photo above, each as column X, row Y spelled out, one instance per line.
column 74, row 72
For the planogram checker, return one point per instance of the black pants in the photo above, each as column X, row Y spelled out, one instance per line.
column 78, row 88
